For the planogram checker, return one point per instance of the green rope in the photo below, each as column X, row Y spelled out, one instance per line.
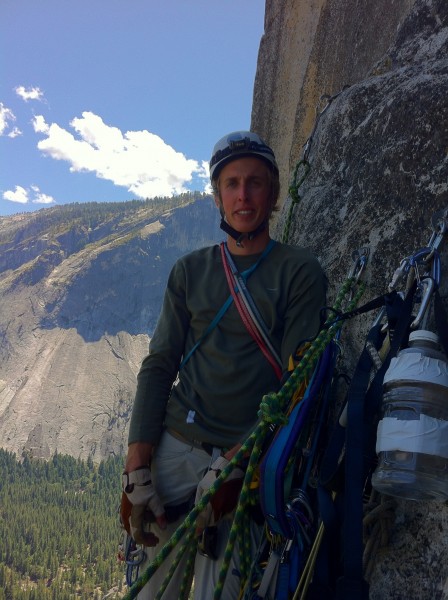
column 272, row 408
column 294, row 194
column 186, row 547
column 261, row 431
column 189, row 568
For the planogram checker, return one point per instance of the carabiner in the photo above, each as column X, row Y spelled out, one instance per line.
column 430, row 285
column 360, row 258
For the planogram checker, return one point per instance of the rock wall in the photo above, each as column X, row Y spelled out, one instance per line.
column 310, row 49
column 378, row 160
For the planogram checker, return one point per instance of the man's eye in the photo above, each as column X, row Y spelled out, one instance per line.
column 256, row 183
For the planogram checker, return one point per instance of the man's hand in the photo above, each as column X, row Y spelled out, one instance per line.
column 224, row 500
column 141, row 505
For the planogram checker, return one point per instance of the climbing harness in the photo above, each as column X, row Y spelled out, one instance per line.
column 303, row 166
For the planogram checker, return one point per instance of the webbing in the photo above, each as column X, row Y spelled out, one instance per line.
column 249, row 313
column 219, row 315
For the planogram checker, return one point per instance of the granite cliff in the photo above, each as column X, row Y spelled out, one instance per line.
column 80, row 291
column 366, row 85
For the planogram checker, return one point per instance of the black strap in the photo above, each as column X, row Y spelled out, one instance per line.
column 378, row 302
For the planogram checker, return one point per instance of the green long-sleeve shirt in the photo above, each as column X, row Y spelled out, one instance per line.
column 216, row 395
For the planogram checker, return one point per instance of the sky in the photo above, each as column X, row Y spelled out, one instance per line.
column 114, row 100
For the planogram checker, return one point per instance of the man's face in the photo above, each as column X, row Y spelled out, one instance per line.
column 245, row 190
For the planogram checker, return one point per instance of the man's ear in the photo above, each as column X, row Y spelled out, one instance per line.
column 219, row 206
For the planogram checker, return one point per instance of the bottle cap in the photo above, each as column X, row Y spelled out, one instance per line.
column 423, row 335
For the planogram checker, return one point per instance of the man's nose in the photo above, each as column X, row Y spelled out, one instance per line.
column 243, row 191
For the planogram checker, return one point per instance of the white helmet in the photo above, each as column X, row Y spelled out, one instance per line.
column 236, row 145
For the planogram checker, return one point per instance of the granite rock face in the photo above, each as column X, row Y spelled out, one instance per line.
column 378, row 178
column 79, row 303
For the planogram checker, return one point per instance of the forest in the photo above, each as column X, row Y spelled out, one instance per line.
column 60, row 529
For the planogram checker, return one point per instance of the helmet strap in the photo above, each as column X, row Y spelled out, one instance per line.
column 237, row 235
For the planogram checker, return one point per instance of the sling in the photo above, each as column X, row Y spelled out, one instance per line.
column 244, row 275
column 247, row 308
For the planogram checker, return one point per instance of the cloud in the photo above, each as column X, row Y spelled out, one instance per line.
column 204, row 173
column 137, row 160
column 24, row 196
column 40, row 198
column 32, row 93
column 20, row 195
column 6, row 118
column 39, row 124
column 15, row 132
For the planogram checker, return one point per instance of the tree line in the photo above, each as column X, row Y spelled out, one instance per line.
column 89, row 214
column 59, row 527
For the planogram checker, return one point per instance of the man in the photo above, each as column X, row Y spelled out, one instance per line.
column 200, row 386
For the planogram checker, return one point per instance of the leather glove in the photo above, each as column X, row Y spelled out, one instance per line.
column 140, row 505
column 224, row 500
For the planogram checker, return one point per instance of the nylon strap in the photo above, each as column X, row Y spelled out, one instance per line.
column 219, row 315
column 269, row 575
column 252, row 321
column 250, row 305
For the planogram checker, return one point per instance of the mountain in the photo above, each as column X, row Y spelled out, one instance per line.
column 81, row 288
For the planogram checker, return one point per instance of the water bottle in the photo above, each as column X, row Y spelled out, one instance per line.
column 412, row 437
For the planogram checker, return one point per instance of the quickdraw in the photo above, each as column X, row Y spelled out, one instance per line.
column 133, row 556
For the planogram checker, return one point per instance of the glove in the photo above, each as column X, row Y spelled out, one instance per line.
column 224, row 500
column 140, row 505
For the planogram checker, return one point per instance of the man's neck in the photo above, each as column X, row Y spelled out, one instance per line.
column 254, row 246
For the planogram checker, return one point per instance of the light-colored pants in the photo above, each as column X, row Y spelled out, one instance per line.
column 177, row 469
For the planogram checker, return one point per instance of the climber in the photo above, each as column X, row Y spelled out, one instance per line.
column 200, row 386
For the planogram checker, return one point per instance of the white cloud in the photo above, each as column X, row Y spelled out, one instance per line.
column 32, row 93
column 39, row 124
column 40, row 198
column 7, row 117
column 15, row 132
column 204, row 173
column 20, row 195
column 137, row 160
column 43, row 199
column 24, row 196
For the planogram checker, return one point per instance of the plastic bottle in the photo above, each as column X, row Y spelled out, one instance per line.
column 412, row 438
